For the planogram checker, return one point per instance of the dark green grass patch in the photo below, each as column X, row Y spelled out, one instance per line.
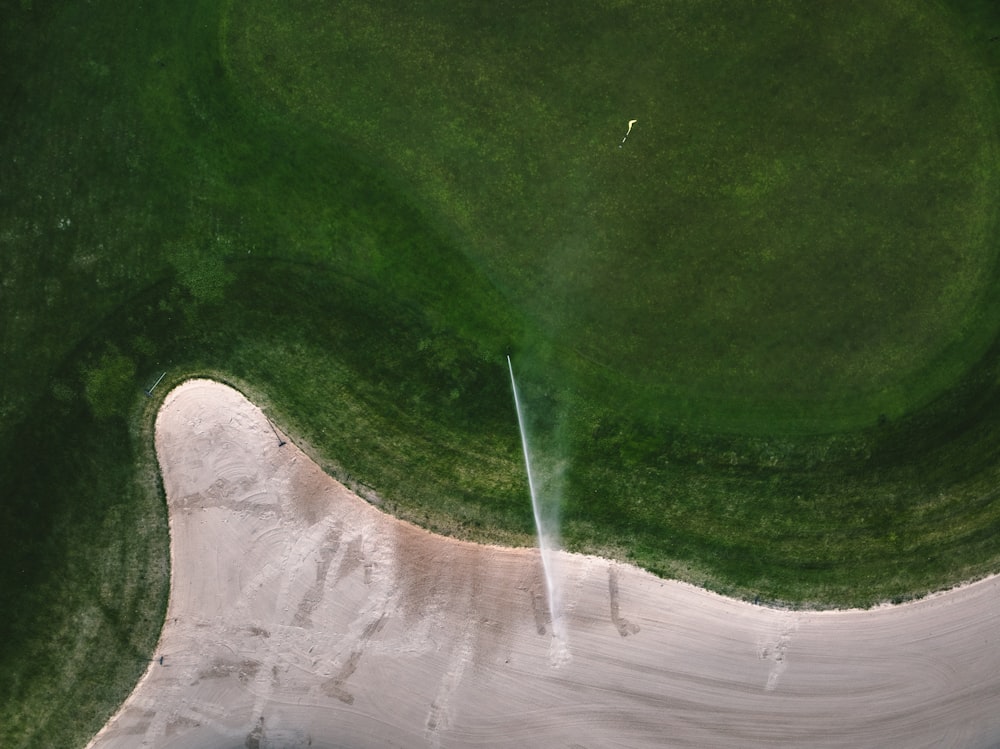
column 83, row 571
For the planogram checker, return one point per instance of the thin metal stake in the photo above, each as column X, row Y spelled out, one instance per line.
column 281, row 442
column 149, row 393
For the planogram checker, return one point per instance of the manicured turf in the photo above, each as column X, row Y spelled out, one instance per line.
column 797, row 235
column 757, row 343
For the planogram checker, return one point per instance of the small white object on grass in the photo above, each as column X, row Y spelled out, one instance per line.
column 630, row 124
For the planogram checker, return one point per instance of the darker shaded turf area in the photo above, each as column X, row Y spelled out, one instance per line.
column 757, row 344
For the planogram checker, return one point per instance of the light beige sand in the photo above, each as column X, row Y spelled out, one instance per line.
column 301, row 616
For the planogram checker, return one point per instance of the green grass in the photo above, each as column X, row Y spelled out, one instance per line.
column 758, row 344
column 802, row 219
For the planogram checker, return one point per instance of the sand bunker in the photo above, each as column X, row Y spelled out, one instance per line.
column 301, row 616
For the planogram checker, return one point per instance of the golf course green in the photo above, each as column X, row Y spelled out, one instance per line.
column 756, row 331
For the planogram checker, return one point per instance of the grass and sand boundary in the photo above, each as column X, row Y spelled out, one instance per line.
column 299, row 614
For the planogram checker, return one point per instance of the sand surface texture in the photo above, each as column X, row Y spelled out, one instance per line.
column 302, row 616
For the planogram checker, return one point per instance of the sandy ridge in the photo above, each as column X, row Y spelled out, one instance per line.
column 300, row 615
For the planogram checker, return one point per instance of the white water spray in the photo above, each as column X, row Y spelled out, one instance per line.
column 559, row 651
